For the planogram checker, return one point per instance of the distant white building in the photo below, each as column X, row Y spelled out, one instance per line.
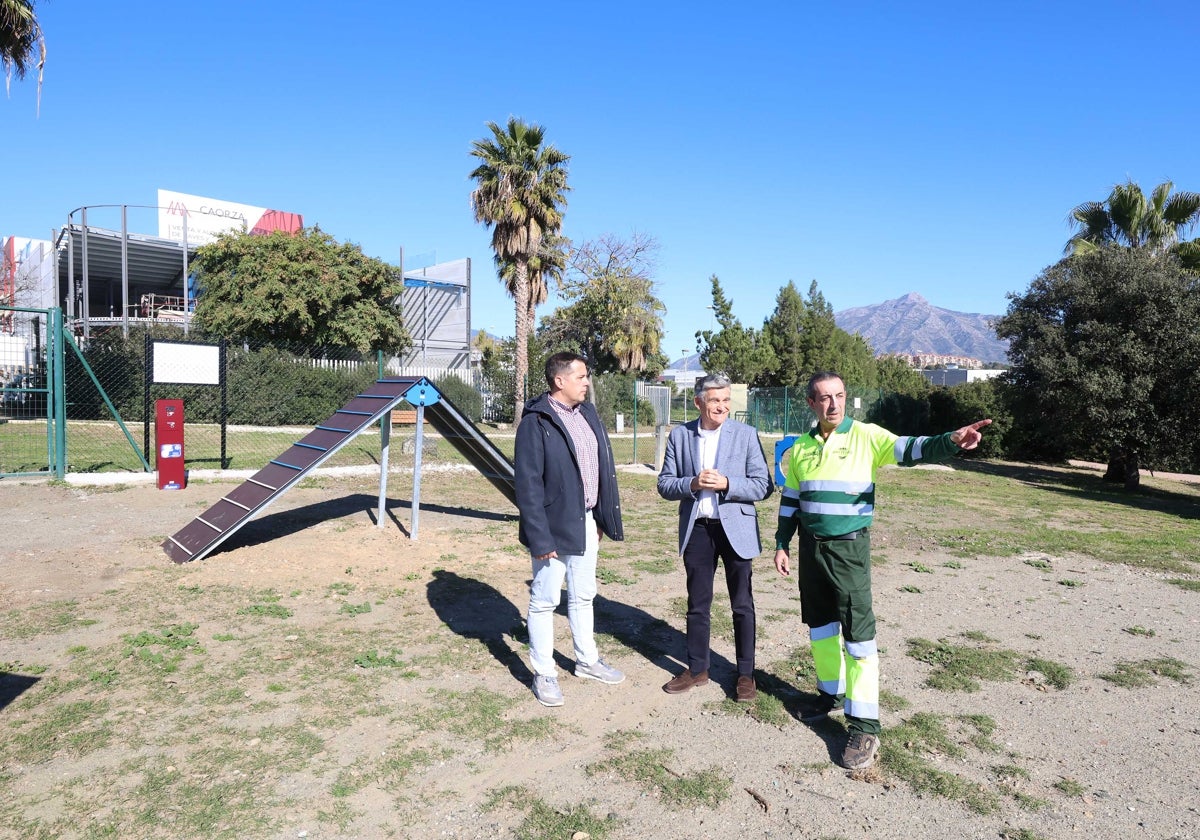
column 959, row 376
column 683, row 372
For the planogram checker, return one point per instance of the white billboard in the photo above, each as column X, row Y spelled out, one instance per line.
column 207, row 217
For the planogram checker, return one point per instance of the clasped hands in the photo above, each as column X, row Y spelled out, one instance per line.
column 710, row 480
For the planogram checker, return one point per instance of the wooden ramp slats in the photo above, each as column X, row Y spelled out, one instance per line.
column 204, row 533
column 223, row 514
column 274, row 475
column 250, row 494
column 324, row 438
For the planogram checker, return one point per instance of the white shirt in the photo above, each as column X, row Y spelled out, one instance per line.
column 706, row 504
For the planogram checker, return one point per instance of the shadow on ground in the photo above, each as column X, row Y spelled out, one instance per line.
column 275, row 525
column 13, row 686
column 1087, row 485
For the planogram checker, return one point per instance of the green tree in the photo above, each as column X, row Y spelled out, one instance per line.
column 956, row 406
column 805, row 338
column 614, row 317
column 1105, row 351
column 303, row 288
column 520, row 193
column 782, row 332
column 740, row 352
column 22, row 45
column 1128, row 217
column 896, row 376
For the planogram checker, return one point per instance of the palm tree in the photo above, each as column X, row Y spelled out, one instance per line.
column 520, row 193
column 546, row 267
column 21, row 42
column 638, row 336
column 1127, row 217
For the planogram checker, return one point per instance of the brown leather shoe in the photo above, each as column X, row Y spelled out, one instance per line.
column 746, row 689
column 685, row 681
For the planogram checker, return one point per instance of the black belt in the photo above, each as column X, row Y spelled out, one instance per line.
column 853, row 535
column 705, row 520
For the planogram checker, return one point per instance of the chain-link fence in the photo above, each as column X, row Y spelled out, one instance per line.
column 25, row 433
column 785, row 411
column 272, row 395
column 275, row 394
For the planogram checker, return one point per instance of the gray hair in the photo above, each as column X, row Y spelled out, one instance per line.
column 711, row 382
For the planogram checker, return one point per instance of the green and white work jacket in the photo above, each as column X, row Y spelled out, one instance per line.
column 829, row 486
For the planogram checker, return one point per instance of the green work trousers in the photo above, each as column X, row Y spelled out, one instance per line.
column 835, row 603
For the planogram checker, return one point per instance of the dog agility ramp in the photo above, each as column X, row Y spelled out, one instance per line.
column 208, row 530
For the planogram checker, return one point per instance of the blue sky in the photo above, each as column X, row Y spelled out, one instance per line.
column 878, row 149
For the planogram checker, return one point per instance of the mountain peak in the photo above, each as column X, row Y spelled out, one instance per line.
column 911, row 324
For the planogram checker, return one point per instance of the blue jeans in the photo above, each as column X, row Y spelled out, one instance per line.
column 579, row 570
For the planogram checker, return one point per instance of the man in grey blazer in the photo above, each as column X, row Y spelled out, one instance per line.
column 715, row 468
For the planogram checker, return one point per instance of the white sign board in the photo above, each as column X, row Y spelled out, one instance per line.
column 187, row 364
column 206, row 217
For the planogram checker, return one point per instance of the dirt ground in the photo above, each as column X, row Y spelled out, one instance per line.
column 1132, row 752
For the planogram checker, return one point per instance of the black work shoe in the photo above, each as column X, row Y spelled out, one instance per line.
column 825, row 706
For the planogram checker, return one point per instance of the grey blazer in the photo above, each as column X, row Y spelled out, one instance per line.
column 740, row 459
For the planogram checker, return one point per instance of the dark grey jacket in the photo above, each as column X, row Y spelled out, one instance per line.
column 549, row 485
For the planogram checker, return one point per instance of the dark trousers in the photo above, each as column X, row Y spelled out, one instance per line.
column 706, row 544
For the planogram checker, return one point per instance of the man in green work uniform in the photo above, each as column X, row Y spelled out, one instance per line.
column 830, row 493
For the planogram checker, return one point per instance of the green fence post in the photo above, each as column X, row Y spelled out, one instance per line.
column 787, row 408
column 58, row 355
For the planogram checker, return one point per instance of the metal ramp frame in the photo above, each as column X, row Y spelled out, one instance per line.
column 208, row 530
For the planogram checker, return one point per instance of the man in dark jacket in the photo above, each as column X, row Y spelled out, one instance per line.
column 567, row 496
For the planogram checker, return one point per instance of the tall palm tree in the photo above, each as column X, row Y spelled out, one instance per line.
column 1128, row 217
column 21, row 42
column 521, row 191
column 546, row 267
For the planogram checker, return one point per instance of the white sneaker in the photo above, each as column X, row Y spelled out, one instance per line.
column 546, row 690
column 599, row 670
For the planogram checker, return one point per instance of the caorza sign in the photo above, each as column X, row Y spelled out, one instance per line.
column 206, row 217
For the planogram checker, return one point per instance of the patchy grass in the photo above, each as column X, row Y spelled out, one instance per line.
column 1143, row 672
column 225, row 710
column 54, row 617
column 959, row 667
column 1058, row 675
column 650, row 769
column 266, row 610
column 609, row 575
column 1069, row 787
column 1138, row 630
column 906, row 752
column 543, row 820
column 482, row 716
